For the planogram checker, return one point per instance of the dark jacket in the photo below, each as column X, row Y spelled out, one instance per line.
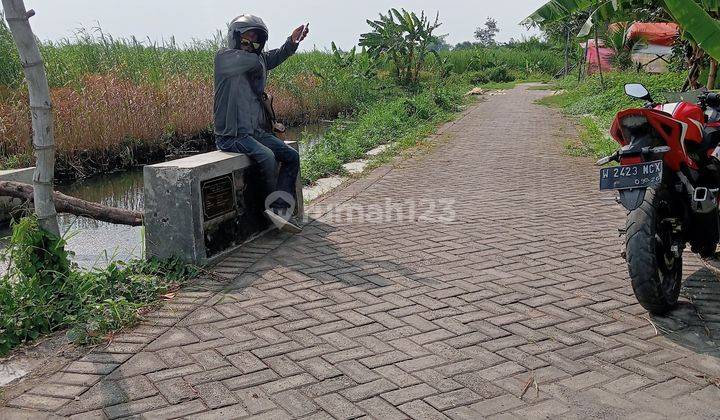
column 240, row 78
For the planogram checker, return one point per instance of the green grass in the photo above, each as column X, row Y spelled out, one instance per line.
column 523, row 62
column 542, row 87
column 402, row 119
column 596, row 106
column 558, row 100
column 592, row 140
column 45, row 292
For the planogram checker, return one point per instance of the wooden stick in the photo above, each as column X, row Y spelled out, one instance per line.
column 583, row 61
column 527, row 385
column 712, row 76
column 599, row 63
column 566, row 70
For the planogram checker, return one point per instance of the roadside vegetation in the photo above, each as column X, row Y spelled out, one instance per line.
column 45, row 292
column 595, row 105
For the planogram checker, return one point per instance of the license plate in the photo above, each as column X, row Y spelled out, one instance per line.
column 642, row 175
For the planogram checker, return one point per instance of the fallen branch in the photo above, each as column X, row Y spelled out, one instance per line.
column 66, row 204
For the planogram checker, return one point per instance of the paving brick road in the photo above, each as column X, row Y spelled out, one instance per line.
column 502, row 296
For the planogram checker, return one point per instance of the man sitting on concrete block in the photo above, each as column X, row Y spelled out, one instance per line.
column 242, row 123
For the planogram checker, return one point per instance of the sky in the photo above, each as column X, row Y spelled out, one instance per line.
column 339, row 21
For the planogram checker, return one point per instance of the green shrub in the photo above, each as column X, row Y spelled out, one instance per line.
column 531, row 61
column 478, row 77
column 10, row 70
column 592, row 140
column 44, row 292
column 499, row 74
column 402, row 116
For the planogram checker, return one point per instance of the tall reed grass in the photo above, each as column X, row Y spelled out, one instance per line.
column 116, row 97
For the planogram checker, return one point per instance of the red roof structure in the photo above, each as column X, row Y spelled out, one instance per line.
column 654, row 33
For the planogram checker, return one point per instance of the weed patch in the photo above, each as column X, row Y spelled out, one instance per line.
column 592, row 140
column 45, row 292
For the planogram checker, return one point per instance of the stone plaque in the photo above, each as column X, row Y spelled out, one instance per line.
column 218, row 196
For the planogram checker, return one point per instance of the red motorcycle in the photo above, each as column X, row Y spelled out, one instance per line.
column 668, row 179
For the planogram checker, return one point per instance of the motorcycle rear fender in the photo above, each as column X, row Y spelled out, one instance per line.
column 632, row 198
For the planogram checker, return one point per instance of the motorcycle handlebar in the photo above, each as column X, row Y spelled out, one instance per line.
column 710, row 99
column 713, row 99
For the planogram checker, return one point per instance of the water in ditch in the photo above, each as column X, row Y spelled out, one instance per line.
column 95, row 243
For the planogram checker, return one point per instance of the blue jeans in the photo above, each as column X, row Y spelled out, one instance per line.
column 267, row 151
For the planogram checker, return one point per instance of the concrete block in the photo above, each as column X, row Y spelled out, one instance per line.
column 200, row 207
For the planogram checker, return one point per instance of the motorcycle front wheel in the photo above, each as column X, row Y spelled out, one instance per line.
column 655, row 270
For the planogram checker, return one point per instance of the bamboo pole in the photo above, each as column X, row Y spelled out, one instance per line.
column 43, row 142
column 695, row 63
column 583, row 61
column 712, row 76
column 599, row 63
column 567, row 46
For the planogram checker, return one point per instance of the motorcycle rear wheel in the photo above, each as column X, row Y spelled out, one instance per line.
column 655, row 271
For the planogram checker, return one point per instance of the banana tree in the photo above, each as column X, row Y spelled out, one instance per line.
column 601, row 12
column 555, row 10
column 698, row 20
column 702, row 25
column 404, row 38
column 693, row 16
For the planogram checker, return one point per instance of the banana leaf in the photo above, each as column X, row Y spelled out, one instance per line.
column 555, row 10
column 704, row 29
column 710, row 5
column 602, row 14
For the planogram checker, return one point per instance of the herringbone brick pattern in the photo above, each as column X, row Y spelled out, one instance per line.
column 519, row 307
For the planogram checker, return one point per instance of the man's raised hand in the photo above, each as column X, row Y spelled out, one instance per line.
column 300, row 33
